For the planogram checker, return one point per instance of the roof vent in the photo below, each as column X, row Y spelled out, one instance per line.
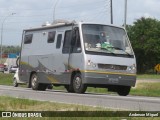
column 61, row 21
column 46, row 24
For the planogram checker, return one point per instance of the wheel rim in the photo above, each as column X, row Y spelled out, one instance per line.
column 77, row 82
column 34, row 80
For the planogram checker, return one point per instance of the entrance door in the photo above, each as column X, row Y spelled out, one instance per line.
column 72, row 51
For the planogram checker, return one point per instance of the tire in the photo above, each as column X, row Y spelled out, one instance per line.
column 42, row 87
column 123, row 90
column 78, row 86
column 34, row 81
column 29, row 85
column 50, row 86
column 15, row 84
column 69, row 88
column 36, row 85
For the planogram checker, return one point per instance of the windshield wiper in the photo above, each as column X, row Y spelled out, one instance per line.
column 121, row 49
column 109, row 51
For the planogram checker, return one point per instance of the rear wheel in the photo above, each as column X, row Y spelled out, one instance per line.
column 15, row 84
column 36, row 85
column 34, row 81
column 123, row 90
column 78, row 86
column 50, row 86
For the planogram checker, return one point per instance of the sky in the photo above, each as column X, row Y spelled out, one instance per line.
column 33, row 13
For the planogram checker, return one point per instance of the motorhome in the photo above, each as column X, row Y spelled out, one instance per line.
column 77, row 56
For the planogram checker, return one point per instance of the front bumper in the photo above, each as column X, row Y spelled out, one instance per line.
column 98, row 78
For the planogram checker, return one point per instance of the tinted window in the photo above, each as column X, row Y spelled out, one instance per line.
column 28, row 39
column 51, row 37
column 59, row 39
column 67, row 40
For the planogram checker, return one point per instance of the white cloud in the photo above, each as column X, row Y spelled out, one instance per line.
column 146, row 8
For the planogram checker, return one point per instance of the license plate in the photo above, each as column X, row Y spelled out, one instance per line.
column 113, row 80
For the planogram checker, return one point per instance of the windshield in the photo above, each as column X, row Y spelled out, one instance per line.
column 107, row 39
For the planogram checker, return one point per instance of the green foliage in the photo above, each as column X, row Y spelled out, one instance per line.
column 149, row 77
column 6, row 79
column 149, row 88
column 11, row 49
column 145, row 38
column 19, row 104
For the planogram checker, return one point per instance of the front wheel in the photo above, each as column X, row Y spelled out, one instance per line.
column 78, row 86
column 69, row 88
column 123, row 90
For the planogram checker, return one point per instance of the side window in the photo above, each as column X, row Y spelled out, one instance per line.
column 28, row 39
column 67, row 41
column 59, row 40
column 51, row 37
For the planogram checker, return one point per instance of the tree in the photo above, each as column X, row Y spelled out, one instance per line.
column 11, row 49
column 145, row 38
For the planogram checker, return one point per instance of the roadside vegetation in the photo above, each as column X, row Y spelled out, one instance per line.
column 151, row 89
column 6, row 79
column 144, row 34
column 149, row 76
column 16, row 104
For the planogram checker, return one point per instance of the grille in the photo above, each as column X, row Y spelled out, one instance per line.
column 114, row 67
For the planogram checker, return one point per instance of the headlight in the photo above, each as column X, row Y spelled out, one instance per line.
column 89, row 63
column 132, row 69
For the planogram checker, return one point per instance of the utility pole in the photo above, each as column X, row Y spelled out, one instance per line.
column 2, row 27
column 111, row 5
column 125, row 14
column 54, row 11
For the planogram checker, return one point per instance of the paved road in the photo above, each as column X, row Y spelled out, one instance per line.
column 90, row 99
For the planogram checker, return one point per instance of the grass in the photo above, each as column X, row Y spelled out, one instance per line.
column 151, row 89
column 148, row 76
column 6, row 79
column 15, row 104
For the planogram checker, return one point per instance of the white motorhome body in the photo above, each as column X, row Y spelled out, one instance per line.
column 78, row 55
